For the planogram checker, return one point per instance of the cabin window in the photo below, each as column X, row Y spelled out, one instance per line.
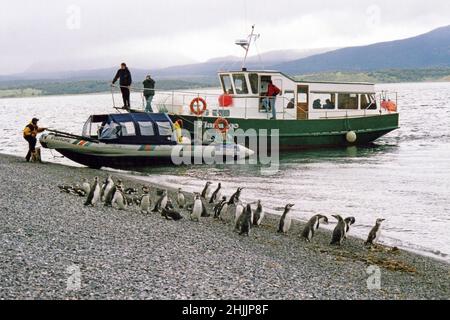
column 325, row 101
column 289, row 99
column 146, row 128
column 254, row 81
column 127, row 129
column 368, row 102
column 348, row 101
column 164, row 128
column 240, row 84
column 226, row 84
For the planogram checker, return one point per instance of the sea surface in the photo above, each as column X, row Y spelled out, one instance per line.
column 404, row 177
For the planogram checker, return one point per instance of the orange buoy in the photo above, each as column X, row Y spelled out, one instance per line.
column 225, row 100
column 221, row 125
column 195, row 106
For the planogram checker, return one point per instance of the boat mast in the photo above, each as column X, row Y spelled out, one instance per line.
column 245, row 44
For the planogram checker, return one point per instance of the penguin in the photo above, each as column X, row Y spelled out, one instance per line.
column 86, row 186
column 94, row 194
column 146, row 202
column 109, row 183
column 258, row 215
column 246, row 224
column 64, row 188
column 375, row 233
column 313, row 225
column 339, row 232
column 110, row 195
column 206, row 190
column 197, row 208
column 205, row 213
column 171, row 214
column 162, row 202
column 119, row 199
column 217, row 195
column 286, row 220
column 77, row 190
column 181, row 200
column 348, row 222
column 220, row 208
column 238, row 215
column 235, row 197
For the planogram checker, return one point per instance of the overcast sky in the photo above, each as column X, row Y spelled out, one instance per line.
column 83, row 34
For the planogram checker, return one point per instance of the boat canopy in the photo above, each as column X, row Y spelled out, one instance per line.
column 130, row 128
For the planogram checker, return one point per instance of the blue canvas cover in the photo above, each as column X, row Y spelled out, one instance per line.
column 136, row 128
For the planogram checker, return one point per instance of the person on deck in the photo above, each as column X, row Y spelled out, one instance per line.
column 149, row 92
column 125, row 82
column 29, row 134
column 272, row 93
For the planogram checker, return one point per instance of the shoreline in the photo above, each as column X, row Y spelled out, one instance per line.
column 127, row 255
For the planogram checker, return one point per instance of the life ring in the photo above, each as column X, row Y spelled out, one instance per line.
column 221, row 125
column 196, row 109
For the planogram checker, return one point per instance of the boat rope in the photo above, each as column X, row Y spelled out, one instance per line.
column 112, row 94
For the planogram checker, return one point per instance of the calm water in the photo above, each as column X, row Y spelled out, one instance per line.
column 405, row 178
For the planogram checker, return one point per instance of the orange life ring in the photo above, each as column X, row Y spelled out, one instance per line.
column 196, row 109
column 221, row 125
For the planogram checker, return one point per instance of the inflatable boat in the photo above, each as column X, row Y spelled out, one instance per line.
column 131, row 140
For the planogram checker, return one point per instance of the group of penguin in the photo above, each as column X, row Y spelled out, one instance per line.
column 114, row 194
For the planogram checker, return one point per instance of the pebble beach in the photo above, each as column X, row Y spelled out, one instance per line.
column 45, row 235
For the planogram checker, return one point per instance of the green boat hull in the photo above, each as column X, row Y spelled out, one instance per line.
column 306, row 134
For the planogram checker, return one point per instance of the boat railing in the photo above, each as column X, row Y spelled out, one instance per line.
column 175, row 101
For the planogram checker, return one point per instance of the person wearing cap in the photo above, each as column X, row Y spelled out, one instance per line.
column 149, row 92
column 29, row 134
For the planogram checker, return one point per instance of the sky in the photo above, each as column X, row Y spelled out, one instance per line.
column 60, row 35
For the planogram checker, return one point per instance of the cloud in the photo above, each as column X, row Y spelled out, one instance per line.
column 79, row 34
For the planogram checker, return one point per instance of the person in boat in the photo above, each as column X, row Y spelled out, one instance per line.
column 317, row 104
column 272, row 93
column 149, row 92
column 329, row 105
column 29, row 134
column 125, row 82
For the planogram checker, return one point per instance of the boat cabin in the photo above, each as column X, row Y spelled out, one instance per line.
column 299, row 100
column 130, row 128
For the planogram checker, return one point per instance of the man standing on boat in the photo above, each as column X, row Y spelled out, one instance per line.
column 149, row 92
column 125, row 81
column 29, row 134
column 272, row 92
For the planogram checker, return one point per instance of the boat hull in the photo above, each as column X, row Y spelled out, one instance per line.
column 307, row 134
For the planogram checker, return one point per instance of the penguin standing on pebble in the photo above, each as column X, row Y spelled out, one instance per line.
column 339, row 232
column 94, row 194
column 238, row 216
column 119, row 200
column 181, row 200
column 375, row 233
column 197, row 209
column 235, row 197
column 348, row 223
column 246, row 224
column 220, row 208
column 286, row 220
column 146, row 202
column 162, row 202
column 110, row 195
column 217, row 194
column 258, row 215
column 313, row 225
column 107, row 185
column 206, row 190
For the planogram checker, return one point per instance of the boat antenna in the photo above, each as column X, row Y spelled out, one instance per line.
column 245, row 44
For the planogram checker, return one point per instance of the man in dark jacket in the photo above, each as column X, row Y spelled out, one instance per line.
column 124, row 75
column 149, row 92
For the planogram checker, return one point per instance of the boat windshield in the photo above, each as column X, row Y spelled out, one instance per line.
column 110, row 131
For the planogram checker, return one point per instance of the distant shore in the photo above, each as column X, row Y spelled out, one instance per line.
column 48, row 236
